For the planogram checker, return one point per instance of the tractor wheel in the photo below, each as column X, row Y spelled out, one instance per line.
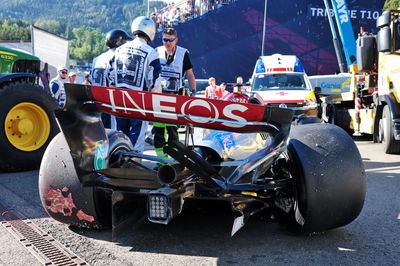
column 391, row 145
column 63, row 196
column 27, row 124
column 329, row 179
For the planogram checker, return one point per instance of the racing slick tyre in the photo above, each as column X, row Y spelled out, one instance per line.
column 63, row 196
column 391, row 146
column 329, row 179
column 27, row 124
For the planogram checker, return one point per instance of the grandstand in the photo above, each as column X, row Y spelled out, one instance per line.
column 225, row 41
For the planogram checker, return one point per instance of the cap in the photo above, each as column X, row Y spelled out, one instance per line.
column 61, row 68
column 71, row 74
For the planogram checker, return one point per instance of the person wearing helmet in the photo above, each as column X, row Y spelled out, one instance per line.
column 175, row 63
column 137, row 67
column 102, row 68
column 57, row 86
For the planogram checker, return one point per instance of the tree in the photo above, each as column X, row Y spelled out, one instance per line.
column 14, row 30
column 87, row 43
column 391, row 4
column 50, row 25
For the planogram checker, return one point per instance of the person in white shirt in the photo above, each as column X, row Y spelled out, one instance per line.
column 57, row 86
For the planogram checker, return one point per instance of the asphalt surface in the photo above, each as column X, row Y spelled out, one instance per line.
column 198, row 238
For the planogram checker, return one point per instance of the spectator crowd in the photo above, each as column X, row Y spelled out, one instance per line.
column 175, row 13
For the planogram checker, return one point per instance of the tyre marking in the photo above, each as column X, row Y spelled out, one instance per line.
column 59, row 203
column 83, row 216
column 64, row 204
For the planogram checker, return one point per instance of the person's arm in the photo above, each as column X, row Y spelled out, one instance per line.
column 54, row 88
column 191, row 79
column 153, row 80
column 188, row 70
column 109, row 73
column 112, row 74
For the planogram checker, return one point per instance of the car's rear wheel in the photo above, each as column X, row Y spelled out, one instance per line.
column 328, row 179
column 61, row 192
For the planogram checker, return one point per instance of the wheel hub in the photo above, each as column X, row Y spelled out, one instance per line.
column 22, row 127
column 27, row 126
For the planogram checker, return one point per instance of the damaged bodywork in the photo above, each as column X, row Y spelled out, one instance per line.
column 244, row 154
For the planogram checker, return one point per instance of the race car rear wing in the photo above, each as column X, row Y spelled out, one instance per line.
column 82, row 127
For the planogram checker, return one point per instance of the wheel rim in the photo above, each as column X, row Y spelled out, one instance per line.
column 381, row 134
column 384, row 125
column 27, row 126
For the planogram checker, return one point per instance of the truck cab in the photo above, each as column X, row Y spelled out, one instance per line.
column 281, row 81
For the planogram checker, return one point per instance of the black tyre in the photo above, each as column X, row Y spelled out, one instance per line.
column 332, row 114
column 391, row 146
column 61, row 193
column 27, row 124
column 329, row 179
column 309, row 120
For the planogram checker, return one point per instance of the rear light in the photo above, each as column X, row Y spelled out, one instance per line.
column 164, row 204
column 158, row 206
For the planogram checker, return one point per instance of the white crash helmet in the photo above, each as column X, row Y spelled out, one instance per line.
column 144, row 25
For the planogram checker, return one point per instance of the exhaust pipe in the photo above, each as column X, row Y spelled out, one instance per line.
column 170, row 173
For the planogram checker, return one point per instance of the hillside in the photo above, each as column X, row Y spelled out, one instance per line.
column 100, row 14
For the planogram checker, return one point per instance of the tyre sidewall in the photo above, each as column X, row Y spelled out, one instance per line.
column 59, row 184
column 11, row 95
column 57, row 176
column 391, row 146
column 329, row 177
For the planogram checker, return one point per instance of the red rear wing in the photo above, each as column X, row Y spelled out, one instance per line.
column 182, row 110
column 176, row 109
column 87, row 139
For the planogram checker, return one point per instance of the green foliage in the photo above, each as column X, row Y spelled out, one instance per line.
column 102, row 14
column 87, row 43
column 50, row 25
column 391, row 4
column 14, row 30
column 82, row 22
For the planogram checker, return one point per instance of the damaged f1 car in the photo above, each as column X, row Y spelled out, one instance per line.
column 310, row 178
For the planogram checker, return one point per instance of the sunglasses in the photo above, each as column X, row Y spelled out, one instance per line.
column 64, row 72
column 168, row 40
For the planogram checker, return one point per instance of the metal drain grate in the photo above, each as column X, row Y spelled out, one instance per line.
column 45, row 248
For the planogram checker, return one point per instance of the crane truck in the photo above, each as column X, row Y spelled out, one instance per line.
column 372, row 105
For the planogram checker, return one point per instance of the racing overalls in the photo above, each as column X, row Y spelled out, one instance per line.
column 99, row 76
column 58, row 91
column 136, row 66
column 171, row 74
